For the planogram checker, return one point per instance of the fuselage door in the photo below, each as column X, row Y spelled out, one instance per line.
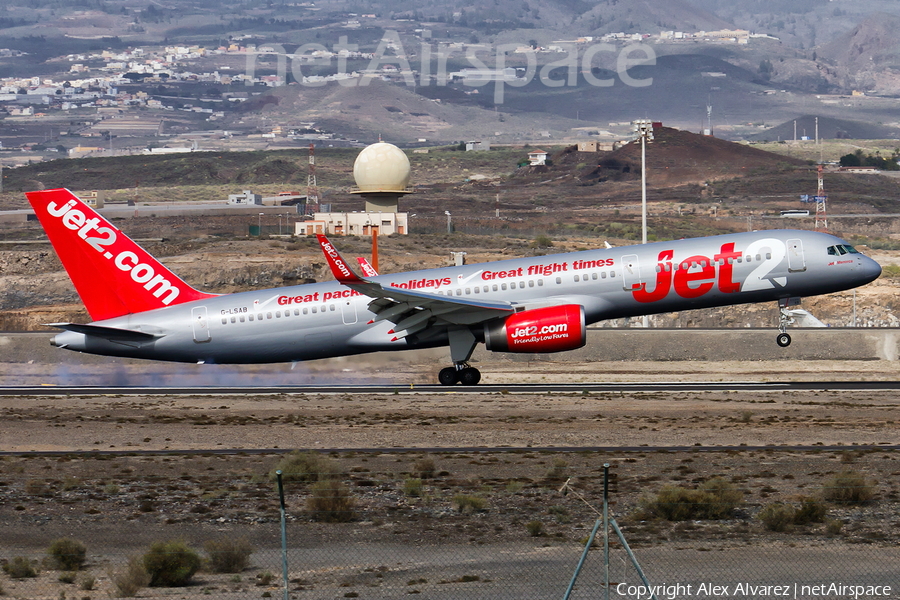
column 631, row 272
column 200, row 323
column 796, row 260
column 348, row 312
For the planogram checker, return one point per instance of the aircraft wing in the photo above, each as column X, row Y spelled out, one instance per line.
column 411, row 311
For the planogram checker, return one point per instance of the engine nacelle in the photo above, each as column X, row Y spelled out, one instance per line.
column 548, row 329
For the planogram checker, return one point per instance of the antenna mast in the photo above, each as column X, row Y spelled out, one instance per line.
column 312, row 188
column 821, row 218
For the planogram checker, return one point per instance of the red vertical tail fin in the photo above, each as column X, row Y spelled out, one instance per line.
column 112, row 274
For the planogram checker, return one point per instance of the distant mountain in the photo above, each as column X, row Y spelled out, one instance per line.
column 829, row 129
column 869, row 53
column 646, row 16
column 801, row 24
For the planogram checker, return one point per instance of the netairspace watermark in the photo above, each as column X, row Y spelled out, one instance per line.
column 754, row 590
column 488, row 66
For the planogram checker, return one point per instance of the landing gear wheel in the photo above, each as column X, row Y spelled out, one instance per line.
column 469, row 376
column 783, row 340
column 448, row 376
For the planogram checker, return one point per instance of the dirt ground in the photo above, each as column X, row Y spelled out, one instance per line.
column 123, row 502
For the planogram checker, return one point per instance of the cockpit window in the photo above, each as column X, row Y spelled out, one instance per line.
column 841, row 249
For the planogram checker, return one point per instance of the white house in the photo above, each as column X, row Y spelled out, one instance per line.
column 537, row 157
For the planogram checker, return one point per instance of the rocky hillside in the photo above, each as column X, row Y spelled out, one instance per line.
column 868, row 54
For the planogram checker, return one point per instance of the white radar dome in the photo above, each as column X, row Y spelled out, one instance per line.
column 381, row 167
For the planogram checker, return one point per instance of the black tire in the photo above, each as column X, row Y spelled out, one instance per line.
column 469, row 376
column 448, row 376
column 783, row 340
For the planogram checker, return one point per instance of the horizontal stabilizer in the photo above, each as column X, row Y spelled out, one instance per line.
column 112, row 334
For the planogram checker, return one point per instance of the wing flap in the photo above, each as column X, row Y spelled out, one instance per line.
column 398, row 305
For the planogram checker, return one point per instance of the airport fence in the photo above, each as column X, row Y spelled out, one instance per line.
column 353, row 529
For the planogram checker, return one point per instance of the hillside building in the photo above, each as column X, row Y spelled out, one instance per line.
column 354, row 223
column 537, row 158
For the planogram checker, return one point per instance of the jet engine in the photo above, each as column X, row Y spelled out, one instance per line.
column 547, row 329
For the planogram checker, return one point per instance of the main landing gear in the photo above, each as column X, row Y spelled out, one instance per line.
column 462, row 344
column 461, row 373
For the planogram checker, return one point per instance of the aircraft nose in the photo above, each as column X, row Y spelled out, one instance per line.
column 871, row 269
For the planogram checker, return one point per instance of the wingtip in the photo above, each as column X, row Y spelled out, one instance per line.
column 339, row 267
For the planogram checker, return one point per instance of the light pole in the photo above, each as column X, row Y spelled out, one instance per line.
column 259, row 225
column 279, row 224
column 644, row 129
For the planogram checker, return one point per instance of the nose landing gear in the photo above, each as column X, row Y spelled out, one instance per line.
column 783, row 339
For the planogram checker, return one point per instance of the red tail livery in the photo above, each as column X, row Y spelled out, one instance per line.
column 112, row 274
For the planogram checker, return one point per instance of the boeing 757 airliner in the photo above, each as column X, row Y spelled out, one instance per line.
column 141, row 309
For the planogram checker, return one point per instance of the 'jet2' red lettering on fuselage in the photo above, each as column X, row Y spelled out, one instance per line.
column 695, row 281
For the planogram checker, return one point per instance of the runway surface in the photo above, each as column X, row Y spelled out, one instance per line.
column 529, row 388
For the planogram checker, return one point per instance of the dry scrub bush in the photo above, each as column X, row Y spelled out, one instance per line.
column 466, row 504
column 424, row 468
column 19, row 568
column 130, row 579
column 781, row 517
column 535, row 528
column 558, row 472
column 306, row 466
column 777, row 517
column 811, row 511
column 228, row 555
column 412, row 487
column 171, row 564
column 330, row 502
column 848, row 487
column 67, row 554
column 714, row 499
